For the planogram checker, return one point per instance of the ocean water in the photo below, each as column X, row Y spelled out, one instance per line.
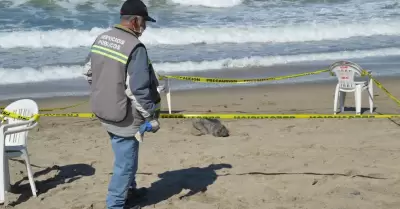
column 43, row 43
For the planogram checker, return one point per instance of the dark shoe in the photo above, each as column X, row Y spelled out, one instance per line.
column 135, row 196
column 132, row 207
column 137, row 193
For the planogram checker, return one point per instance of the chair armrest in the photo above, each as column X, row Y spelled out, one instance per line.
column 22, row 123
column 8, row 132
column 19, row 123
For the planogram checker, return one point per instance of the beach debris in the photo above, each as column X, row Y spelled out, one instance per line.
column 204, row 126
column 315, row 182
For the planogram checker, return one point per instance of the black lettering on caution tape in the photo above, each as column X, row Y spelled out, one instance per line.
column 344, row 117
column 14, row 115
column 211, row 80
column 188, row 78
column 189, row 116
column 61, row 114
column 263, row 117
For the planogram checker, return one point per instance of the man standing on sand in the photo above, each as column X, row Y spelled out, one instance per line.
column 115, row 56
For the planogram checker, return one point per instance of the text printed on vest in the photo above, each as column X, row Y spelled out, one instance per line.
column 111, row 42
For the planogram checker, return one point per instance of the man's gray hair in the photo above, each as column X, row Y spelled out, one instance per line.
column 129, row 17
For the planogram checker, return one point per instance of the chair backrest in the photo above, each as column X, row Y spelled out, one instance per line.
column 345, row 72
column 24, row 107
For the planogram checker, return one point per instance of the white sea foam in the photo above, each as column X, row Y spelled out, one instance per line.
column 30, row 75
column 99, row 4
column 68, row 4
column 209, row 3
column 256, row 61
column 70, row 38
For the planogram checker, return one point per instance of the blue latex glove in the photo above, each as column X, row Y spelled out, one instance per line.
column 146, row 127
column 151, row 126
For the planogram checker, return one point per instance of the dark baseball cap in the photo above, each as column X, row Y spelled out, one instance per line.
column 136, row 7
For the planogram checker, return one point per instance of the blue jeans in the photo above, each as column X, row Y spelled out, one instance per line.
column 126, row 151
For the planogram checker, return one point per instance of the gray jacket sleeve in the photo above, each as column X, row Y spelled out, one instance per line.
column 139, row 82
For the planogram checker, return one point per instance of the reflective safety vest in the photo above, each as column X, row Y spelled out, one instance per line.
column 110, row 54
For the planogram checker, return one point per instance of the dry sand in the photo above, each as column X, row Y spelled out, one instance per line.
column 277, row 164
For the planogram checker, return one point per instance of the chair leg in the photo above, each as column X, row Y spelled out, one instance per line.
column 7, row 184
column 342, row 96
column 371, row 97
column 2, row 180
column 25, row 156
column 335, row 100
column 168, row 94
column 358, row 99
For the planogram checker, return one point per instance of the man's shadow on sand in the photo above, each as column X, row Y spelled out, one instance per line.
column 194, row 179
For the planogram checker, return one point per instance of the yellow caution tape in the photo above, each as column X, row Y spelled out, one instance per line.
column 7, row 114
column 379, row 85
column 196, row 79
column 57, row 108
column 365, row 72
column 237, row 116
column 226, row 116
column 274, row 116
column 240, row 81
column 73, row 115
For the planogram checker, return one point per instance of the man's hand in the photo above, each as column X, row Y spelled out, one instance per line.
column 161, row 88
column 147, row 126
column 154, row 124
column 88, row 72
column 151, row 126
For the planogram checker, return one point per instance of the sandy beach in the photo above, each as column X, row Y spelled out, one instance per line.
column 274, row 164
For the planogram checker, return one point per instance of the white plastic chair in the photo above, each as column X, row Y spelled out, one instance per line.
column 345, row 72
column 13, row 137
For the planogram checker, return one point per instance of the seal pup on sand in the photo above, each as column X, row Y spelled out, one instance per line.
column 203, row 126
